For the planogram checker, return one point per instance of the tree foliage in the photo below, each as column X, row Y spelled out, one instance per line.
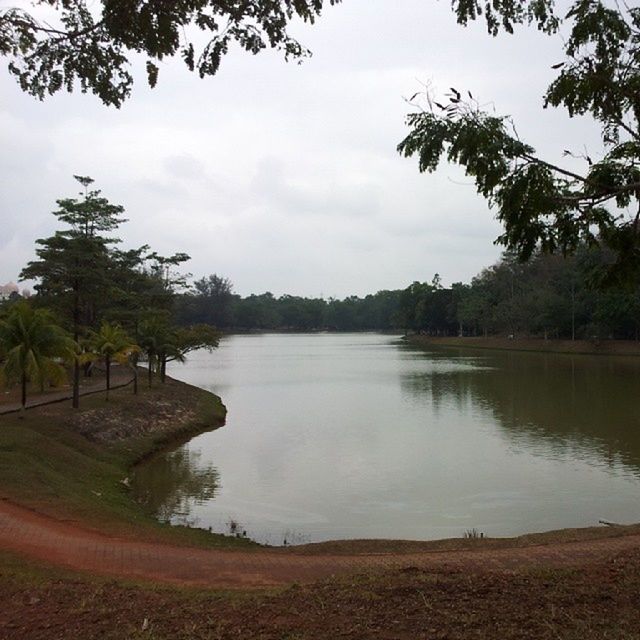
column 104, row 294
column 164, row 342
column 61, row 44
column 549, row 296
column 211, row 301
column 543, row 205
column 33, row 348
column 73, row 265
column 111, row 343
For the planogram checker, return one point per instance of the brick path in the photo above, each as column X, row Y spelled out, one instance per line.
column 68, row 545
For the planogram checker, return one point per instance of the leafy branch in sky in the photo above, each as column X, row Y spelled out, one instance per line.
column 61, row 44
column 542, row 204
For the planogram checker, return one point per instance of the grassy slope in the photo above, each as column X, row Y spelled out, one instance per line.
column 72, row 464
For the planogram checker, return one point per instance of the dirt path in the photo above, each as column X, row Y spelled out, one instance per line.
column 66, row 544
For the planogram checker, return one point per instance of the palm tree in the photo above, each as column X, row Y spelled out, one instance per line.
column 158, row 341
column 112, row 343
column 34, row 347
column 164, row 343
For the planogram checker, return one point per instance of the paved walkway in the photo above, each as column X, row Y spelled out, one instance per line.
column 119, row 379
column 66, row 544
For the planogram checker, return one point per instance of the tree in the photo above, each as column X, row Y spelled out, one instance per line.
column 141, row 283
column 154, row 337
column 188, row 339
column 33, row 348
column 542, row 204
column 162, row 342
column 73, row 264
column 112, row 343
column 60, row 44
column 212, row 301
column 257, row 312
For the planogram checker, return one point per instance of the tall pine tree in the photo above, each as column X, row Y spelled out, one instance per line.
column 72, row 268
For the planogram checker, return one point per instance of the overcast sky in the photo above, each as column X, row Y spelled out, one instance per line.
column 285, row 177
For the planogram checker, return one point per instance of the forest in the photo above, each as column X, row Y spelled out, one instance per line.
column 549, row 296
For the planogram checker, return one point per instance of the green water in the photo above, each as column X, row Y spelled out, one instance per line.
column 359, row 436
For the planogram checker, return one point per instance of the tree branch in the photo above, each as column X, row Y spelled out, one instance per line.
column 30, row 23
column 553, row 167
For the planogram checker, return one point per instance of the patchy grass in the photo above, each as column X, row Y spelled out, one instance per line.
column 74, row 464
column 594, row 602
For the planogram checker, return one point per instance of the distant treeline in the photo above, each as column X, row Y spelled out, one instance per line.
column 213, row 302
column 548, row 296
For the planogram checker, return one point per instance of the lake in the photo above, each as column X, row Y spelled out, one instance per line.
column 362, row 436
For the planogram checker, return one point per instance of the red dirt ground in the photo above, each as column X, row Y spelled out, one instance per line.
column 68, row 545
column 583, row 590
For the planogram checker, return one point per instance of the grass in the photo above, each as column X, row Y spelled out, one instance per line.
column 473, row 534
column 74, row 465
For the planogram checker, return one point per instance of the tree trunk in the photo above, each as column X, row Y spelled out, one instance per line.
column 163, row 369
column 107, row 362
column 75, row 403
column 24, row 391
column 573, row 311
column 135, row 374
column 150, row 370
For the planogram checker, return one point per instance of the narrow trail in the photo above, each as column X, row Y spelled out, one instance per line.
column 68, row 545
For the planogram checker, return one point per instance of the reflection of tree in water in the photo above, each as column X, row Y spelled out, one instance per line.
column 564, row 403
column 170, row 483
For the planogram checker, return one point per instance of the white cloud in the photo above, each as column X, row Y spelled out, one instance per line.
column 286, row 177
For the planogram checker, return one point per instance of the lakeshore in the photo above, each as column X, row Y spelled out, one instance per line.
column 80, row 558
column 576, row 347
column 76, row 465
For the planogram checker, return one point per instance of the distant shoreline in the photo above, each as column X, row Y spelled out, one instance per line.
column 539, row 345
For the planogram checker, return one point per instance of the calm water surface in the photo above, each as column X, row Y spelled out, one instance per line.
column 358, row 436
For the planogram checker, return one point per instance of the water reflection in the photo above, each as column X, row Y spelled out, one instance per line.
column 563, row 405
column 170, row 484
